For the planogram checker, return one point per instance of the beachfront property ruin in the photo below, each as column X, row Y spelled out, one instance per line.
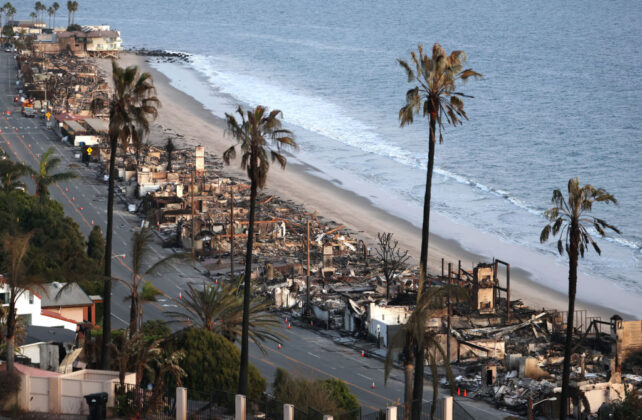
column 318, row 273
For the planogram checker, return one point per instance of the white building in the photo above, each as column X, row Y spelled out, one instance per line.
column 383, row 318
column 29, row 308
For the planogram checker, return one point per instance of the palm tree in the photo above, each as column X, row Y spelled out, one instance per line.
column 219, row 309
column 414, row 334
column 19, row 281
column 44, row 178
column 569, row 218
column 141, row 241
column 436, row 97
column 11, row 172
column 132, row 107
column 37, row 7
column 33, row 17
column 72, row 6
column 169, row 149
column 255, row 132
column 55, row 6
column 50, row 12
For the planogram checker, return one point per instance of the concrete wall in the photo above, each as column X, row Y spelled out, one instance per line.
column 64, row 394
column 39, row 394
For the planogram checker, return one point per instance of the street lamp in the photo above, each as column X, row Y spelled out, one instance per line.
column 531, row 405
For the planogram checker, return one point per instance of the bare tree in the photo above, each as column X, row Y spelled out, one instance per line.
column 393, row 259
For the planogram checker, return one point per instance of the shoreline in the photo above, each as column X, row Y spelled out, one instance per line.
column 301, row 183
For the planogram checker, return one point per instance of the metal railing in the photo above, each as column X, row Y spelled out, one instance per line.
column 134, row 401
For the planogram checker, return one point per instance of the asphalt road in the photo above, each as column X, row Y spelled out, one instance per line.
column 305, row 352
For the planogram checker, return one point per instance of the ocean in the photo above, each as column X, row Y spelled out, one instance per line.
column 561, row 97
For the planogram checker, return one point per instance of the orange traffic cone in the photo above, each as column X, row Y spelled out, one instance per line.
column 458, row 392
column 363, row 353
column 465, row 394
column 289, row 326
column 279, row 346
column 180, row 295
column 373, row 385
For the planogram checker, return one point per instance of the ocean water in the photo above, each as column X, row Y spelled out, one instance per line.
column 561, row 97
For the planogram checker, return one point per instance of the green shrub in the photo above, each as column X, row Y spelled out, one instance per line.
column 212, row 363
column 330, row 396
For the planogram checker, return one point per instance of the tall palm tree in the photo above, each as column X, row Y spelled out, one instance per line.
column 19, row 281
column 72, row 6
column 55, row 6
column 10, row 173
column 50, row 12
column 44, row 178
column 38, row 7
column 219, row 309
column 435, row 95
column 570, row 219
column 132, row 107
column 255, row 131
column 141, row 246
column 74, row 9
column 33, row 17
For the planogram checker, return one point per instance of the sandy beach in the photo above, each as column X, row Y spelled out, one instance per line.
column 303, row 184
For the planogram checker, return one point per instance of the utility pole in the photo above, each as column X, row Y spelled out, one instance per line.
column 231, row 234
column 307, row 278
column 193, row 247
column 450, row 277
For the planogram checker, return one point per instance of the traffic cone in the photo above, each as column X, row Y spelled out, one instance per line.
column 465, row 393
column 73, row 198
column 458, row 392
column 216, row 281
column 92, row 222
column 29, row 145
column 363, row 353
column 66, row 189
column 279, row 346
column 180, row 294
column 80, row 208
column 286, row 320
column 373, row 385
column 289, row 326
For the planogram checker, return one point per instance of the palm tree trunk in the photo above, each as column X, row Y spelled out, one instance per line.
column 408, row 376
column 133, row 312
column 106, row 359
column 425, row 229
column 245, row 350
column 418, row 388
column 572, row 287
column 11, row 332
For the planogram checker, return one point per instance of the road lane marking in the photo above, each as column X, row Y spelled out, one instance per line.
column 314, row 355
column 366, row 390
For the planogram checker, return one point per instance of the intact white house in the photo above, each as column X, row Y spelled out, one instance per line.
column 29, row 308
